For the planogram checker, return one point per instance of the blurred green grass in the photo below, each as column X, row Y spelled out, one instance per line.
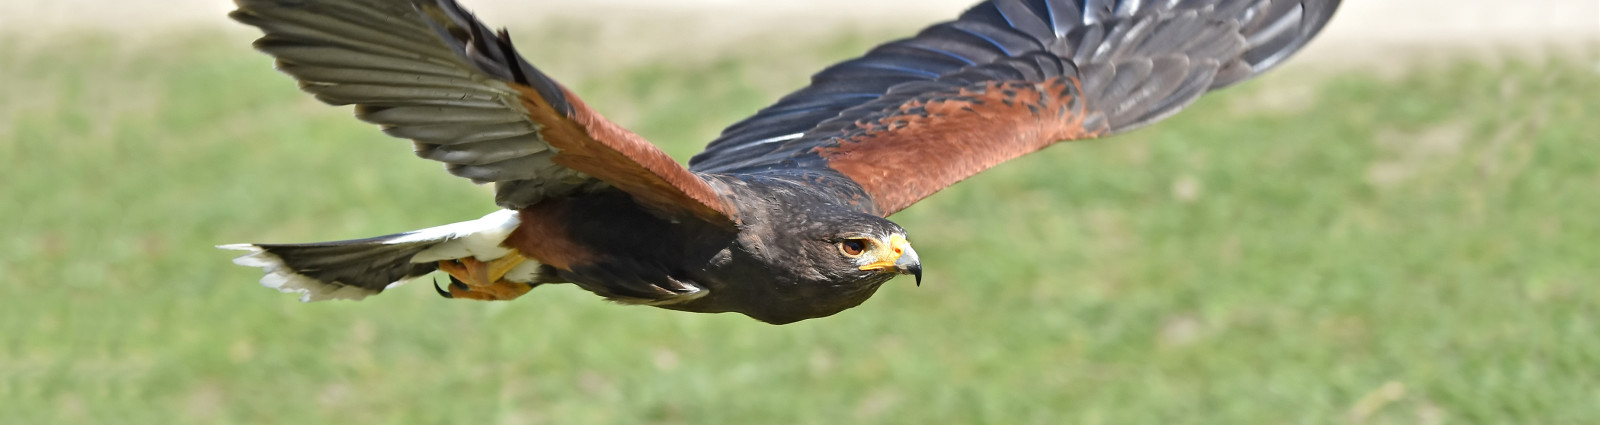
column 1342, row 248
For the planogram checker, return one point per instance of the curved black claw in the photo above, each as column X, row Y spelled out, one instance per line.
column 441, row 291
column 458, row 284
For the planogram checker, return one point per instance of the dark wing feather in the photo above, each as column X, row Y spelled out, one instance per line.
column 1008, row 78
column 428, row 71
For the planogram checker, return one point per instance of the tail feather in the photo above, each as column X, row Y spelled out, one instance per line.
column 336, row 270
column 356, row 269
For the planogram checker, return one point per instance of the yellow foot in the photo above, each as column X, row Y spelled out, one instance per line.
column 476, row 280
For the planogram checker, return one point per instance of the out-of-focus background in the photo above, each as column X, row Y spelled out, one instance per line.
column 1399, row 227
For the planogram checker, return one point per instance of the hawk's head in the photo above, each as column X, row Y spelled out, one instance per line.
column 820, row 261
column 855, row 249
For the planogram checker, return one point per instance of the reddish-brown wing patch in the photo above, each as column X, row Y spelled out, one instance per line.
column 934, row 141
column 595, row 146
column 545, row 236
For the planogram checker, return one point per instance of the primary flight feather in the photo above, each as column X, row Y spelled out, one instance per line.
column 782, row 217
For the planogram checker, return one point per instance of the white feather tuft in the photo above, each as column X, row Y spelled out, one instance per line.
column 479, row 238
column 526, row 272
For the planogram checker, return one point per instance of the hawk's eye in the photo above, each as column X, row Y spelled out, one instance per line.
column 853, row 247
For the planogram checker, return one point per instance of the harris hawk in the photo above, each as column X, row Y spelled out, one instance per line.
column 782, row 217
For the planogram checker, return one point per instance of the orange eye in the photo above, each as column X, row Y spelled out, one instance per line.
column 853, row 247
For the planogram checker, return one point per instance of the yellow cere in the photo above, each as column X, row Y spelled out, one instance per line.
column 888, row 254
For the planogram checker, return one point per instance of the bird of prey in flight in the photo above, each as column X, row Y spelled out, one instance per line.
column 783, row 217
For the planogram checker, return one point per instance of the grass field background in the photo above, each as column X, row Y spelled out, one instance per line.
column 1310, row 248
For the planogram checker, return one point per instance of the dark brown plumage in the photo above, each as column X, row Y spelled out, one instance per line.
column 782, row 217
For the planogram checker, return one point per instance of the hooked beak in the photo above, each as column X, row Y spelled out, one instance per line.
column 900, row 258
column 910, row 264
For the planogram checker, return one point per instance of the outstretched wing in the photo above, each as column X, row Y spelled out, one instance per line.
column 1008, row 78
column 428, row 71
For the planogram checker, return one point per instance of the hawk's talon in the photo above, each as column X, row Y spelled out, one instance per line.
column 441, row 291
column 477, row 280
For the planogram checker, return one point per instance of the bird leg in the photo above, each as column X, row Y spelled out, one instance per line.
column 476, row 280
